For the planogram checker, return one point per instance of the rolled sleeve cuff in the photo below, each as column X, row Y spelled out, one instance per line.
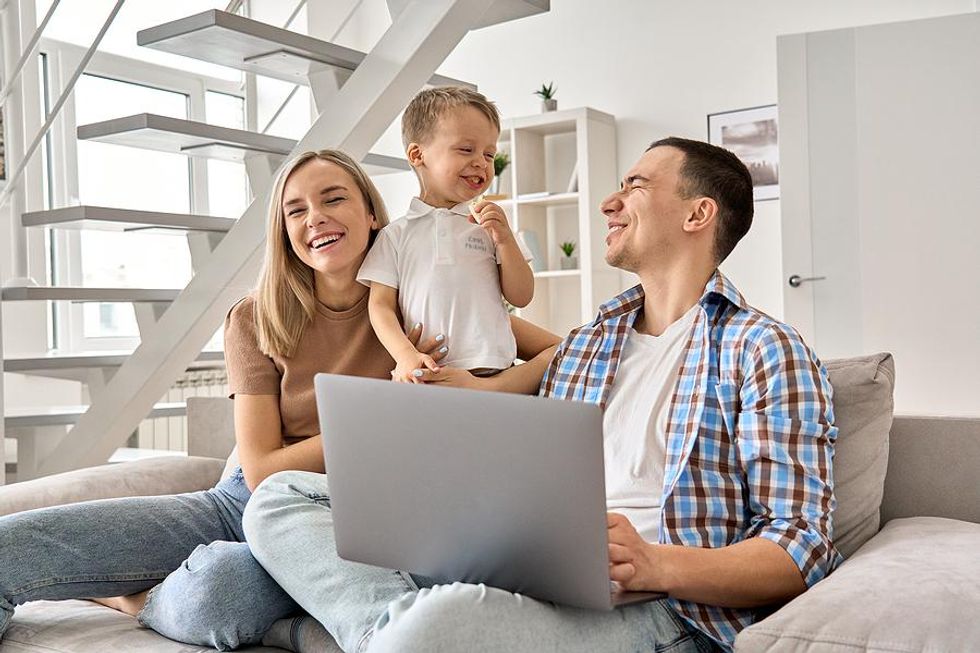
column 813, row 554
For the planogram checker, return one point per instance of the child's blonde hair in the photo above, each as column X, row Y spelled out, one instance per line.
column 286, row 298
column 424, row 111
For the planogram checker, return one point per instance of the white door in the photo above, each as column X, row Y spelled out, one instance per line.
column 880, row 194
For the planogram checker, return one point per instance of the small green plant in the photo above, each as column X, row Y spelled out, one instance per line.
column 547, row 91
column 568, row 247
column 500, row 162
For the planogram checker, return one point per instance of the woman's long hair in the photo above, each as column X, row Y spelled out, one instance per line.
column 286, row 301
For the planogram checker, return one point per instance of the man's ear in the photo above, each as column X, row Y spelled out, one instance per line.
column 703, row 215
column 414, row 154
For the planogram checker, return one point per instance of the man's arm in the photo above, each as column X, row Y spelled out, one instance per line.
column 785, row 435
column 749, row 574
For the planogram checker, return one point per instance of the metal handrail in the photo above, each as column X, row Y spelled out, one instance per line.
column 28, row 53
column 22, row 165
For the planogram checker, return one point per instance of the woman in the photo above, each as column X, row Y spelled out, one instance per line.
column 308, row 315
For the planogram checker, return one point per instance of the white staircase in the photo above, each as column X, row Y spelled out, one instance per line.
column 357, row 96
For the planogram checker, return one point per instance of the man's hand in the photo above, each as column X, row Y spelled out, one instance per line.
column 631, row 559
column 493, row 219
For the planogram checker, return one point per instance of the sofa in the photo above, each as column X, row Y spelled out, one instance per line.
column 907, row 521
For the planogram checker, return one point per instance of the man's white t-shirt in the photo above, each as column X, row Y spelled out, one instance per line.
column 635, row 423
column 445, row 270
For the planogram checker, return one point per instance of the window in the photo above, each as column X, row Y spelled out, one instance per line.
column 102, row 174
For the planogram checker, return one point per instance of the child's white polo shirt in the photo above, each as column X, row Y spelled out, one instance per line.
column 445, row 270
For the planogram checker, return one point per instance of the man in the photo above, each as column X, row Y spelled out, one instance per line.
column 719, row 435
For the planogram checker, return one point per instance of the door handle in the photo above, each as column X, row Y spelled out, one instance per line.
column 796, row 280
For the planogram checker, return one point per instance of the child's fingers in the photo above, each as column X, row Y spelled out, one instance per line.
column 429, row 362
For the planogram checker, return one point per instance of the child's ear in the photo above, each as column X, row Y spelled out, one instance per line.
column 374, row 223
column 414, row 154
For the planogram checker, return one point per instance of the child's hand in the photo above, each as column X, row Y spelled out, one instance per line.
column 493, row 219
column 408, row 369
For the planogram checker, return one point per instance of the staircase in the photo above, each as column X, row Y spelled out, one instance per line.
column 357, row 95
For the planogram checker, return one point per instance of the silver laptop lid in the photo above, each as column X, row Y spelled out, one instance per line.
column 460, row 485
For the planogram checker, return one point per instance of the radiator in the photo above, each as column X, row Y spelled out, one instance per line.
column 170, row 433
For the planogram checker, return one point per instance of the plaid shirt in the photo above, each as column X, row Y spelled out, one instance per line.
column 750, row 435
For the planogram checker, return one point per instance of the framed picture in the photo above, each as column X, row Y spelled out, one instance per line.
column 752, row 134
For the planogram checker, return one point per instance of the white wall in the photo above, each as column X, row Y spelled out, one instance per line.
column 884, row 157
column 659, row 66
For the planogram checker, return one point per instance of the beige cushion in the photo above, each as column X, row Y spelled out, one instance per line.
column 863, row 404
column 84, row 627
column 148, row 477
column 913, row 587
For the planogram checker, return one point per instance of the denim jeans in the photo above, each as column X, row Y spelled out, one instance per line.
column 213, row 592
column 289, row 527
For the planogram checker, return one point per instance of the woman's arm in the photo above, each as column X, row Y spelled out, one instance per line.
column 258, row 434
column 535, row 345
column 258, row 431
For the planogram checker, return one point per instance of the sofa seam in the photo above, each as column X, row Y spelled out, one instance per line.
column 825, row 639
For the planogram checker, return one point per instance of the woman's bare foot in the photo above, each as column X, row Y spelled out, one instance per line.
column 130, row 605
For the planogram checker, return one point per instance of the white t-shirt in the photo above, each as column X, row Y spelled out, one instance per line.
column 445, row 270
column 635, row 423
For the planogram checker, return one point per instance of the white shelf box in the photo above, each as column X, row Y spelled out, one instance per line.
column 563, row 164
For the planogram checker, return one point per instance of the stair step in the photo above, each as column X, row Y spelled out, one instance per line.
column 65, row 415
column 109, row 219
column 76, row 294
column 57, row 361
column 500, row 11
column 244, row 44
column 165, row 134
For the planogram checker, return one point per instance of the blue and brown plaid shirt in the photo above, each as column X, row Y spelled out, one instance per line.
column 750, row 435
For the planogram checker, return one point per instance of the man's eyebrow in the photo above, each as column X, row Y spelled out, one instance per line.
column 632, row 179
column 328, row 189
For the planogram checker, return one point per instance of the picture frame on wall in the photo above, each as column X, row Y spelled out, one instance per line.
column 753, row 135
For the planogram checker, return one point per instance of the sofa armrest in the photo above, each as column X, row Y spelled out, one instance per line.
column 149, row 477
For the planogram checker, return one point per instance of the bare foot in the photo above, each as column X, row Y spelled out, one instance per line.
column 130, row 605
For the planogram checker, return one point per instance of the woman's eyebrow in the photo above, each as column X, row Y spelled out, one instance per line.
column 328, row 189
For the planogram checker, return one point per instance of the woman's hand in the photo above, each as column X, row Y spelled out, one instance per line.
column 453, row 377
column 424, row 358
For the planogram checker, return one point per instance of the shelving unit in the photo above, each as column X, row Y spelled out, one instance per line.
column 546, row 151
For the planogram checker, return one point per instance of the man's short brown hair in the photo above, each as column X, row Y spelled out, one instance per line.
column 424, row 111
column 712, row 171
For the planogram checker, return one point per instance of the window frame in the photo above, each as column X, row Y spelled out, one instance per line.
column 61, row 60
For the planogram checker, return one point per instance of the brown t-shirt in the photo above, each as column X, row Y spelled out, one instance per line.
column 337, row 342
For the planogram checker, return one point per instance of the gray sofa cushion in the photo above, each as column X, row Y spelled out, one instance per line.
column 863, row 404
column 84, row 627
column 913, row 587
column 149, row 477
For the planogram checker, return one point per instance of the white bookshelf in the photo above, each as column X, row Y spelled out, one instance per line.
column 545, row 150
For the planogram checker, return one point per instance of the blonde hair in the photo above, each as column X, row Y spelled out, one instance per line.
column 424, row 111
column 286, row 299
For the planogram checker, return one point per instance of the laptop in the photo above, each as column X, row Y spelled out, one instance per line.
column 478, row 487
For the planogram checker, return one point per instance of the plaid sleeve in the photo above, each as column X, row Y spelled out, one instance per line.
column 547, row 388
column 785, row 440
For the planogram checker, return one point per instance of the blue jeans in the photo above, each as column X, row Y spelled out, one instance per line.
column 289, row 528
column 213, row 592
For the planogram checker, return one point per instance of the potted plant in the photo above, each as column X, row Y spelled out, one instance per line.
column 568, row 262
column 500, row 162
column 547, row 95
